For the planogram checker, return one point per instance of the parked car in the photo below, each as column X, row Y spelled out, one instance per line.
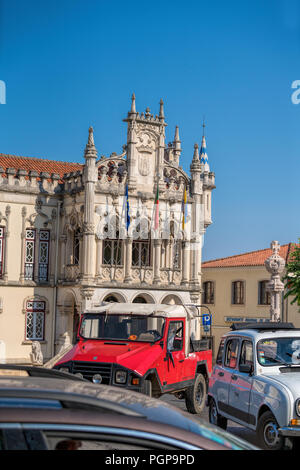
column 40, row 413
column 150, row 348
column 256, row 382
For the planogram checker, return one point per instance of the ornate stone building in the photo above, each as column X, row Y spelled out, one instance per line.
column 125, row 228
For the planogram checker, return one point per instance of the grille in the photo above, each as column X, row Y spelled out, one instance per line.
column 88, row 369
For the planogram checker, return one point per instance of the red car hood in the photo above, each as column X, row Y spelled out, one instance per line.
column 138, row 357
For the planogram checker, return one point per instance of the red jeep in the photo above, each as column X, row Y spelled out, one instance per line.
column 143, row 347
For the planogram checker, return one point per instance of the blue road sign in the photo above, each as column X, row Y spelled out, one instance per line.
column 206, row 320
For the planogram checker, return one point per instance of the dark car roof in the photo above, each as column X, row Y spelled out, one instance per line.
column 78, row 395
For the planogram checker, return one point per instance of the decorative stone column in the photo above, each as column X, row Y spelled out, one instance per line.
column 63, row 243
column 22, row 267
column 185, row 263
column 197, row 217
column 90, row 179
column 36, row 255
column 6, row 235
column 52, row 248
column 157, row 250
column 275, row 265
column 98, row 258
column 128, row 260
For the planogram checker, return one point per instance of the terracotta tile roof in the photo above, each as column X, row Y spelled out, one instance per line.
column 37, row 164
column 253, row 258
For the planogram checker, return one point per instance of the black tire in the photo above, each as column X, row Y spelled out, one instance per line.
column 195, row 395
column 214, row 417
column 267, row 432
column 147, row 388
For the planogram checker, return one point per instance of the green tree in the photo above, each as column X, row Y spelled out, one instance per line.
column 292, row 277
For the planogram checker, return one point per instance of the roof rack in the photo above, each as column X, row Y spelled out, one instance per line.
column 79, row 400
column 265, row 326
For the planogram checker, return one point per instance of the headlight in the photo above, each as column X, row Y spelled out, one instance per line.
column 97, row 379
column 64, row 369
column 297, row 406
column 121, row 377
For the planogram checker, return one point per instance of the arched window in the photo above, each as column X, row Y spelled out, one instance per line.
column 113, row 251
column 111, row 298
column 141, row 246
column 112, row 244
column 76, row 246
column 139, row 300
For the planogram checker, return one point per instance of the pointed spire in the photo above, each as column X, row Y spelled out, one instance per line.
column 203, row 154
column 133, row 110
column 195, row 162
column 176, row 141
column 90, row 149
column 196, row 153
column 91, row 136
column 161, row 110
column 176, row 147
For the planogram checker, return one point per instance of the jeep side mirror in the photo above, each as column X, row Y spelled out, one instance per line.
column 246, row 368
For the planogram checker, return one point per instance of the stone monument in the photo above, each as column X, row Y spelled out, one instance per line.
column 36, row 354
column 275, row 265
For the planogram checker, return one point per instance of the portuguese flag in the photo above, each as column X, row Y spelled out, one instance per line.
column 156, row 219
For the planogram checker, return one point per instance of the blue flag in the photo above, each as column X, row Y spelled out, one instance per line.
column 127, row 208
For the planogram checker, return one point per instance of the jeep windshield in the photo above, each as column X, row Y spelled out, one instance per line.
column 279, row 351
column 122, row 327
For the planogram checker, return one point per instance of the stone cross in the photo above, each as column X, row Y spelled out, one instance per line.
column 275, row 265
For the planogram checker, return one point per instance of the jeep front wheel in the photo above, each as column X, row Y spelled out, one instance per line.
column 267, row 432
column 195, row 395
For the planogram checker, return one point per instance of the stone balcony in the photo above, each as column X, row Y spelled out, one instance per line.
column 72, row 272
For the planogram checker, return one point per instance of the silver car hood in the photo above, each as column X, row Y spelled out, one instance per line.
column 289, row 379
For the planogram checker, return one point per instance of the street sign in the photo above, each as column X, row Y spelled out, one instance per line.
column 206, row 320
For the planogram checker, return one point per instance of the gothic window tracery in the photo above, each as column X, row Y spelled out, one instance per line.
column 76, row 247
column 30, row 236
column 141, row 246
column 112, row 243
column 44, row 255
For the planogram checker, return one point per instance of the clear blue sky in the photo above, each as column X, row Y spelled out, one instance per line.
column 70, row 64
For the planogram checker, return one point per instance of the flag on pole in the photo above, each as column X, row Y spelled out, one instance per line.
column 156, row 220
column 184, row 208
column 127, row 216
